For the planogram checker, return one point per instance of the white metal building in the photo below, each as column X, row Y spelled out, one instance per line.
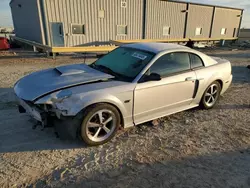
column 91, row 22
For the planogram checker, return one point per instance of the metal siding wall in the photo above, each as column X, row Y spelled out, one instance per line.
column 163, row 13
column 244, row 33
column 225, row 18
column 199, row 16
column 26, row 20
column 97, row 30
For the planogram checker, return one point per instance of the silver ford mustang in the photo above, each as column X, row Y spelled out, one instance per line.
column 133, row 84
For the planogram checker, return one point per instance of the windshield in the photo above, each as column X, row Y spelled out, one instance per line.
column 124, row 63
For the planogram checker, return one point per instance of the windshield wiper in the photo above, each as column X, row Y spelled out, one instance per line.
column 106, row 69
column 110, row 71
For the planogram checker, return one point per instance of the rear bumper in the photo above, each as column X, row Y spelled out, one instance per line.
column 226, row 84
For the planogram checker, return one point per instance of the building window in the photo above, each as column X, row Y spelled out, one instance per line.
column 198, row 31
column 78, row 29
column 223, row 31
column 122, row 30
column 101, row 14
column 123, row 4
column 235, row 32
column 166, row 31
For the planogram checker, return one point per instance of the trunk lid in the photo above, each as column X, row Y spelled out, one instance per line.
column 219, row 60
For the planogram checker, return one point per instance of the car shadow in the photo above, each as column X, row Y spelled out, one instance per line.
column 241, row 74
column 17, row 133
column 20, row 53
column 21, row 137
column 232, row 106
column 226, row 169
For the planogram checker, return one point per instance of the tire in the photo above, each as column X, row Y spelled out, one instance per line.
column 51, row 54
column 39, row 50
column 96, row 132
column 209, row 99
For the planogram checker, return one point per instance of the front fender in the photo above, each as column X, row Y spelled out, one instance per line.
column 73, row 105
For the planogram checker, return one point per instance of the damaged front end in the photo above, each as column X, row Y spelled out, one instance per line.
column 47, row 114
column 42, row 113
column 43, row 94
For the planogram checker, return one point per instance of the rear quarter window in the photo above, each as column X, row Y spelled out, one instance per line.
column 196, row 61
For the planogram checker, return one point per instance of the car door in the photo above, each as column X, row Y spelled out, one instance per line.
column 173, row 93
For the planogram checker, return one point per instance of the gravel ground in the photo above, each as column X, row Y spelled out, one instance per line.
column 195, row 148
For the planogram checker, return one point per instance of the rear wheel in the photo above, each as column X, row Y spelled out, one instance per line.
column 100, row 124
column 211, row 95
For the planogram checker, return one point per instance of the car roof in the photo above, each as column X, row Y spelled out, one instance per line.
column 156, row 47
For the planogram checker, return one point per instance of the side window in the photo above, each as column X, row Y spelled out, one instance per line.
column 196, row 61
column 171, row 63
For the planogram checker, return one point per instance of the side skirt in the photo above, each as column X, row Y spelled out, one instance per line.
column 173, row 112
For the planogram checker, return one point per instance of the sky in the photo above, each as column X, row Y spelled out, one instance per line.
column 6, row 20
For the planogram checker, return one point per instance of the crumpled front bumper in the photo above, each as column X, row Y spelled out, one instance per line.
column 32, row 111
column 66, row 127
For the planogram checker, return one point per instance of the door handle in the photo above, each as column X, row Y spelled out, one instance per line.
column 190, row 79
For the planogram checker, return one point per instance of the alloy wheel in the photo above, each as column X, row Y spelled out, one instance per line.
column 101, row 125
column 211, row 95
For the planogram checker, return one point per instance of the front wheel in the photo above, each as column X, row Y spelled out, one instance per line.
column 211, row 95
column 100, row 124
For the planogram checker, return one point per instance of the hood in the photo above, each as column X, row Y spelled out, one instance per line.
column 44, row 82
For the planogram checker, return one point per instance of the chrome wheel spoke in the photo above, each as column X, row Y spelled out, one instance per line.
column 207, row 94
column 215, row 91
column 212, row 89
column 106, row 129
column 212, row 97
column 100, row 117
column 208, row 101
column 97, row 132
column 108, row 120
column 93, row 125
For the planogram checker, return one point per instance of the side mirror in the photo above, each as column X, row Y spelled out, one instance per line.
column 153, row 77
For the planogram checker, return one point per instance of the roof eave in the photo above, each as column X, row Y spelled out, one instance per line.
column 11, row 2
column 203, row 4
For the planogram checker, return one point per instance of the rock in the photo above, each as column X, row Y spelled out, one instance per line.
column 63, row 172
column 245, row 44
column 155, row 122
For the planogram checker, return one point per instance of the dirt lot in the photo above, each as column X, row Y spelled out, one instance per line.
column 195, row 148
